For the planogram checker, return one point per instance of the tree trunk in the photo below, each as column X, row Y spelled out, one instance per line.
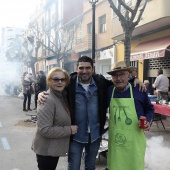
column 33, row 71
column 127, row 45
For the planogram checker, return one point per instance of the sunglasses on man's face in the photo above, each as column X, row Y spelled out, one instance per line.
column 57, row 80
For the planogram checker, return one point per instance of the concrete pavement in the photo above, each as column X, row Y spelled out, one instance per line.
column 18, row 134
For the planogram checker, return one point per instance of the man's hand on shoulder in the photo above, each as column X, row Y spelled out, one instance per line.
column 42, row 97
column 142, row 87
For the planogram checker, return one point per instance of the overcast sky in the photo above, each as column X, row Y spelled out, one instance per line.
column 16, row 13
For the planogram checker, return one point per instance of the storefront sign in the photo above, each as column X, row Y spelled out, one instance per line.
column 147, row 55
column 105, row 54
column 51, row 62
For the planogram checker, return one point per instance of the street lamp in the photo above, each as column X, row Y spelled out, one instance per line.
column 93, row 2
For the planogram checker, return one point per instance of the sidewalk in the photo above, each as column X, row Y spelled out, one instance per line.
column 158, row 143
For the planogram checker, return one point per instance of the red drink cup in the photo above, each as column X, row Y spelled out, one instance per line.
column 142, row 122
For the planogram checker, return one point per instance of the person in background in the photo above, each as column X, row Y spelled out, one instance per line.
column 36, row 87
column 22, row 80
column 162, row 85
column 54, row 123
column 26, row 89
column 40, row 86
column 87, row 94
column 127, row 143
column 133, row 74
column 150, row 89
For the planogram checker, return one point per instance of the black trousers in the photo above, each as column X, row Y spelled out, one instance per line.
column 47, row 162
column 27, row 96
column 36, row 98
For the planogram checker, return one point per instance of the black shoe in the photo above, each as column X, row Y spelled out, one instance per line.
column 25, row 110
column 34, row 108
column 29, row 109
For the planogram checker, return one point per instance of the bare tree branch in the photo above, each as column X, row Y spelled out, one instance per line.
column 126, row 19
column 118, row 12
column 140, row 14
column 57, row 44
column 125, row 6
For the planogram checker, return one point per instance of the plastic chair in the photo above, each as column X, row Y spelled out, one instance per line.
column 157, row 117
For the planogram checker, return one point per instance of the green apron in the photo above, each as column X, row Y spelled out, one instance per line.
column 127, row 143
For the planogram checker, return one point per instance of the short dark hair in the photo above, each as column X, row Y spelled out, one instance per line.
column 85, row 59
column 41, row 72
column 160, row 71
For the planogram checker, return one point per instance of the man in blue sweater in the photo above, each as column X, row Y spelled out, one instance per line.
column 127, row 141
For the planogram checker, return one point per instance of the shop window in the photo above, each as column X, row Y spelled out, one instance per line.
column 134, row 63
column 102, row 24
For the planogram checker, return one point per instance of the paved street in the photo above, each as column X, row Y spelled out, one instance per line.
column 16, row 137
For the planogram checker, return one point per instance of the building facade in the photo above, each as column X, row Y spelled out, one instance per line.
column 65, row 31
column 71, row 22
column 150, row 40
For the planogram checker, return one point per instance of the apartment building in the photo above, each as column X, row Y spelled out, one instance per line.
column 53, row 29
column 72, row 24
column 75, row 19
column 150, row 48
column 104, row 49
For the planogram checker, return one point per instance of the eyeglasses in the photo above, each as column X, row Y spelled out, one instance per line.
column 120, row 75
column 57, row 80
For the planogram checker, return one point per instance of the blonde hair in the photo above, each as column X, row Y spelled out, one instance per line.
column 57, row 69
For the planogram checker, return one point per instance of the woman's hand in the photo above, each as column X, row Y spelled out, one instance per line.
column 42, row 97
column 142, row 87
column 74, row 129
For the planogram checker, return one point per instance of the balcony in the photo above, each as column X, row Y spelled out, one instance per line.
column 83, row 44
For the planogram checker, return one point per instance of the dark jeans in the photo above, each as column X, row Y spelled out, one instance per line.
column 47, row 162
column 36, row 98
column 75, row 154
column 27, row 96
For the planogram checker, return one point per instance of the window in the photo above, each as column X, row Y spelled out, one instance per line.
column 134, row 63
column 89, row 28
column 102, row 24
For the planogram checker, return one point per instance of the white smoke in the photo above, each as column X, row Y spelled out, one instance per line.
column 10, row 78
column 157, row 156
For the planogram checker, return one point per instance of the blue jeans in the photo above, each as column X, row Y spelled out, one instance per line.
column 75, row 154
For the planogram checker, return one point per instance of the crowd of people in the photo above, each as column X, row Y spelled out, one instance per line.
column 72, row 115
column 31, row 86
column 160, row 87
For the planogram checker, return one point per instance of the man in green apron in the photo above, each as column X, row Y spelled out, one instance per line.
column 127, row 143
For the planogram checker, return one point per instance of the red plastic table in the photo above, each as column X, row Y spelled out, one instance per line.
column 161, row 109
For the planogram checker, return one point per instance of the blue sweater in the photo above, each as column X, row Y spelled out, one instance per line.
column 142, row 102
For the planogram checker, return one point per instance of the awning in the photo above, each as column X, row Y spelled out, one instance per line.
column 151, row 49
